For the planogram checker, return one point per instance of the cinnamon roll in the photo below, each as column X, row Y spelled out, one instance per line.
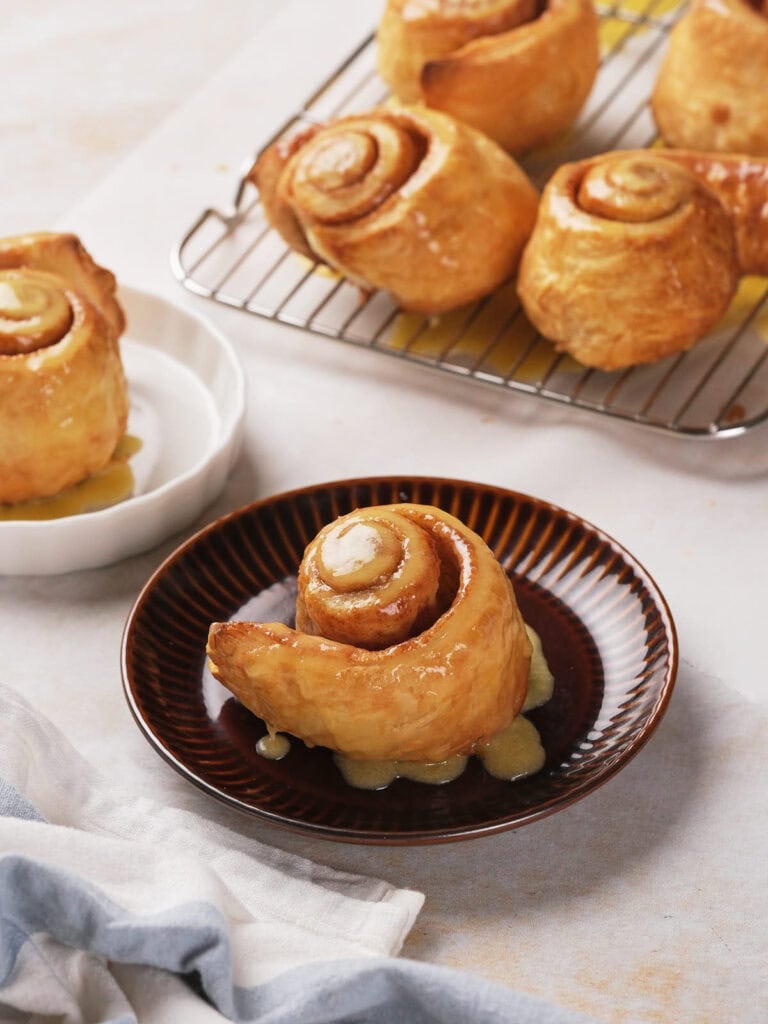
column 409, row 644
column 632, row 258
column 403, row 199
column 519, row 70
column 63, row 399
column 711, row 92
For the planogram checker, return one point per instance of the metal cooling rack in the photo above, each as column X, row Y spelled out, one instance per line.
column 717, row 389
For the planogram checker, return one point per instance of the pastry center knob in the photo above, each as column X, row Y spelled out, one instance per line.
column 34, row 311
column 349, row 169
column 341, row 160
column 634, row 190
column 358, row 555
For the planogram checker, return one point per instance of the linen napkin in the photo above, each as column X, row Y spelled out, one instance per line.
column 114, row 909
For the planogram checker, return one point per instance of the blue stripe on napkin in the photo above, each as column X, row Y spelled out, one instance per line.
column 14, row 804
column 392, row 991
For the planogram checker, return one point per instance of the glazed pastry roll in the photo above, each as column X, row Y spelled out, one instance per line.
column 409, row 644
column 518, row 70
column 407, row 200
column 632, row 258
column 712, row 89
column 63, row 398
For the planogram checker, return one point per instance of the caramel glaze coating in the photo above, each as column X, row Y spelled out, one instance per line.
column 403, row 199
column 711, row 92
column 632, row 258
column 428, row 696
column 741, row 184
column 63, row 397
column 518, row 71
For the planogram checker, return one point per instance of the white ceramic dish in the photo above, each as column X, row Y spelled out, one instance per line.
column 187, row 398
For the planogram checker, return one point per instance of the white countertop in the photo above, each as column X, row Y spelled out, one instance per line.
column 641, row 903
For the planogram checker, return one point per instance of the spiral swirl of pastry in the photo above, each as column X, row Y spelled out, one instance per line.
column 427, row 696
column 633, row 190
column 349, row 170
column 632, row 258
column 518, row 70
column 370, row 579
column 63, row 397
column 710, row 93
column 409, row 201
column 34, row 311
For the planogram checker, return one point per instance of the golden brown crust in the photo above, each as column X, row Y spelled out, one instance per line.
column 65, row 255
column 632, row 258
column 63, row 398
column 711, row 90
column 265, row 175
column 427, row 697
column 403, row 199
column 518, row 77
column 413, row 32
column 741, row 184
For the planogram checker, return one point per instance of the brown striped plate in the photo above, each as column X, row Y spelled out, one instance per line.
column 606, row 629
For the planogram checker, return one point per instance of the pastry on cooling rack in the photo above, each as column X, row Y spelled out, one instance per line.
column 63, row 398
column 409, row 644
column 632, row 258
column 518, row 70
column 403, row 199
column 712, row 89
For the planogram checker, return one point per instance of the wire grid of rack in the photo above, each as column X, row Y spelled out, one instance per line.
column 719, row 388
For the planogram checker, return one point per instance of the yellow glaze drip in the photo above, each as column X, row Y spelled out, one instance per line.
column 273, row 746
column 511, row 754
column 749, row 294
column 614, row 30
column 642, row 6
column 110, row 485
column 541, row 682
column 498, row 339
column 514, row 753
column 379, row 774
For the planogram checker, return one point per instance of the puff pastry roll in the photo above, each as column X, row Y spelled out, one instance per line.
column 632, row 258
column 517, row 70
column 63, row 398
column 403, row 199
column 711, row 92
column 409, row 643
